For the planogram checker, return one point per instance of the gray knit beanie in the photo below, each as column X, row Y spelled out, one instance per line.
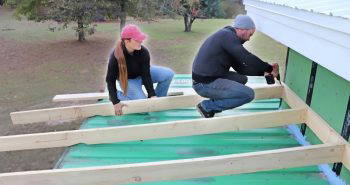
column 243, row 22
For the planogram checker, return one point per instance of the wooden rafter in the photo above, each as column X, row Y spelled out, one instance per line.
column 134, row 106
column 79, row 97
column 92, row 96
column 153, row 130
column 104, row 95
column 181, row 169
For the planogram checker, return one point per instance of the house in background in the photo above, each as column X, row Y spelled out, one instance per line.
column 317, row 34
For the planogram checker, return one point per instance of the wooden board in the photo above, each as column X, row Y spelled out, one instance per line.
column 134, row 106
column 152, row 131
column 92, row 96
column 181, row 169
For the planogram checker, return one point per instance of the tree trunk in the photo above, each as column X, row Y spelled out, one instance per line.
column 188, row 20
column 81, row 32
column 122, row 15
column 190, row 23
column 187, row 29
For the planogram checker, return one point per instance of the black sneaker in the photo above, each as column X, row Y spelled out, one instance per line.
column 204, row 113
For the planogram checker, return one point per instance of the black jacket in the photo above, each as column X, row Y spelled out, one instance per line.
column 221, row 51
column 137, row 64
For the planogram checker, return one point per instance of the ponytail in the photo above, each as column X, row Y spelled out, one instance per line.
column 123, row 72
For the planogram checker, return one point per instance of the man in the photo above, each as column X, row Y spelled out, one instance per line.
column 210, row 71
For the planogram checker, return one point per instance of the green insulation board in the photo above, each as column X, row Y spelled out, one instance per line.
column 330, row 100
column 83, row 155
column 298, row 73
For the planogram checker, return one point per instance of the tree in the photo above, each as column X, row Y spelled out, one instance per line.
column 231, row 8
column 82, row 12
column 192, row 10
column 189, row 9
column 138, row 9
column 10, row 3
column 213, row 9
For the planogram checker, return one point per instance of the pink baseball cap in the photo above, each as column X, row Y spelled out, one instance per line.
column 132, row 31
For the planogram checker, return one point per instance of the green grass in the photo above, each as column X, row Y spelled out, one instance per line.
column 169, row 44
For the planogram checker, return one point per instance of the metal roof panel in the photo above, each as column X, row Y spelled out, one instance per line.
column 339, row 8
column 194, row 146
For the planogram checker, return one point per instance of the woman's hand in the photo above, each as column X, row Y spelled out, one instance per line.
column 118, row 108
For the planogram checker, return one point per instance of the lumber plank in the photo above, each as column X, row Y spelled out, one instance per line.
column 153, row 130
column 133, row 106
column 181, row 169
column 346, row 156
column 92, row 96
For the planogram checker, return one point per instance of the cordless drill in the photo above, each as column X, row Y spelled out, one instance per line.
column 270, row 79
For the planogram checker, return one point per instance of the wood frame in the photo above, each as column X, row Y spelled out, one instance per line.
column 134, row 106
column 318, row 125
column 334, row 149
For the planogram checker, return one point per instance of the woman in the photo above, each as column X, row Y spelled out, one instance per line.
column 129, row 63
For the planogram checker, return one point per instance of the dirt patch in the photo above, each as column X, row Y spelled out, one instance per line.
column 31, row 74
column 39, row 159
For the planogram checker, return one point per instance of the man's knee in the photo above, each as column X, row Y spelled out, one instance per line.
column 250, row 94
column 244, row 79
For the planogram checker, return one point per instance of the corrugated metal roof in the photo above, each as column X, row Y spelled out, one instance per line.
column 83, row 155
column 339, row 8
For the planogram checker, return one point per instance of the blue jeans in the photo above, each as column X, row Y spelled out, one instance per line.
column 160, row 75
column 223, row 94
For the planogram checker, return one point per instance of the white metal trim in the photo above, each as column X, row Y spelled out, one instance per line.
column 328, row 46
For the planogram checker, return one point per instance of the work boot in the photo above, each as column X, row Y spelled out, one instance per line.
column 204, row 113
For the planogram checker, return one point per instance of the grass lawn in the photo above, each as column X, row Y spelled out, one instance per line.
column 36, row 64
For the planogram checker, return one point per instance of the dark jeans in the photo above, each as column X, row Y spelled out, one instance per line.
column 224, row 93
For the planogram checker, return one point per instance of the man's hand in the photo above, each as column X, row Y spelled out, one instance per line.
column 118, row 108
column 275, row 70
